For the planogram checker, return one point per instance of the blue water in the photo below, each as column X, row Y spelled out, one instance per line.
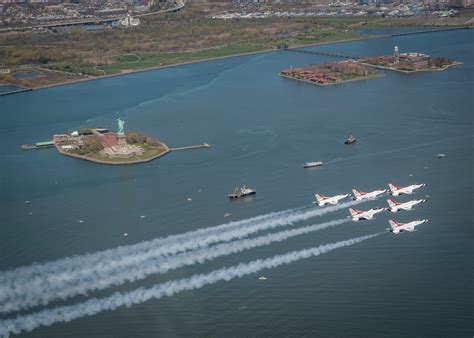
column 8, row 88
column 262, row 128
column 26, row 75
column 385, row 31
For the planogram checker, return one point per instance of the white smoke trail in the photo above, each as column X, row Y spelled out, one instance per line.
column 93, row 306
column 93, row 258
column 103, row 279
column 67, row 264
column 19, row 292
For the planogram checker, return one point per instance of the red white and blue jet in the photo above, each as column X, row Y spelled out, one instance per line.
column 397, row 227
column 396, row 206
column 361, row 195
column 359, row 215
column 322, row 200
column 395, row 191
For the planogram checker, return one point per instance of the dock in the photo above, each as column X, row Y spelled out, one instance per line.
column 199, row 146
column 37, row 145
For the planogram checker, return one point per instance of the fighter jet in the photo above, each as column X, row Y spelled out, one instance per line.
column 396, row 227
column 396, row 206
column 359, row 215
column 395, row 191
column 360, row 195
column 323, row 200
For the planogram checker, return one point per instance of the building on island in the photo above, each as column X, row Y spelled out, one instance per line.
column 413, row 60
column 129, row 21
column 108, row 145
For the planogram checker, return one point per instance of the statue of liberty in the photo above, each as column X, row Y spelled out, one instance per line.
column 120, row 124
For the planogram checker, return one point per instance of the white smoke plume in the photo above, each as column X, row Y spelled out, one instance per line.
column 97, row 280
column 18, row 291
column 76, row 261
column 93, row 306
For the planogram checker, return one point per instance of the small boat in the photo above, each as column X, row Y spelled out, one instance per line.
column 242, row 192
column 262, row 278
column 227, row 215
column 441, row 155
column 312, row 164
column 351, row 139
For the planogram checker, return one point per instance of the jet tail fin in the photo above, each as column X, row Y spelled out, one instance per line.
column 354, row 212
column 393, row 223
column 392, row 203
column 319, row 197
column 356, row 193
column 393, row 187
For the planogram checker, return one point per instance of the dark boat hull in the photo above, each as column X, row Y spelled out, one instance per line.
column 242, row 195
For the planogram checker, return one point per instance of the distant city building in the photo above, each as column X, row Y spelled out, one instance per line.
column 112, row 11
column 396, row 53
column 128, row 21
column 413, row 60
column 460, row 3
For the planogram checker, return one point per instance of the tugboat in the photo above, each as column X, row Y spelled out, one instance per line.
column 351, row 139
column 242, row 192
column 312, row 164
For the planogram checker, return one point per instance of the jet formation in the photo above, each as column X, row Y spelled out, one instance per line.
column 394, row 206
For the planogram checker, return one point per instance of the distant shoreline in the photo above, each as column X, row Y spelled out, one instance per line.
column 123, row 73
column 188, row 63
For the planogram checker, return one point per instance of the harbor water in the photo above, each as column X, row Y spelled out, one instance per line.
column 262, row 129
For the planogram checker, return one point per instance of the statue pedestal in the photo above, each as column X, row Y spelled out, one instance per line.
column 121, row 140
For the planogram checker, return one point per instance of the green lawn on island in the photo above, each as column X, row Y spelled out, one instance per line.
column 319, row 37
column 83, row 69
column 139, row 62
column 134, row 62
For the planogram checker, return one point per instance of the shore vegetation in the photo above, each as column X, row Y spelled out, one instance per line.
column 61, row 56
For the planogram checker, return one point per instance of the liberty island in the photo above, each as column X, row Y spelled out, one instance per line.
column 101, row 146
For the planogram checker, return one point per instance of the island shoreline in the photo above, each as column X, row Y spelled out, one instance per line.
column 187, row 63
column 270, row 50
column 333, row 83
column 95, row 160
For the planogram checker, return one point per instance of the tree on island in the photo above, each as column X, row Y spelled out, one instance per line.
column 134, row 137
column 92, row 144
column 152, row 142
